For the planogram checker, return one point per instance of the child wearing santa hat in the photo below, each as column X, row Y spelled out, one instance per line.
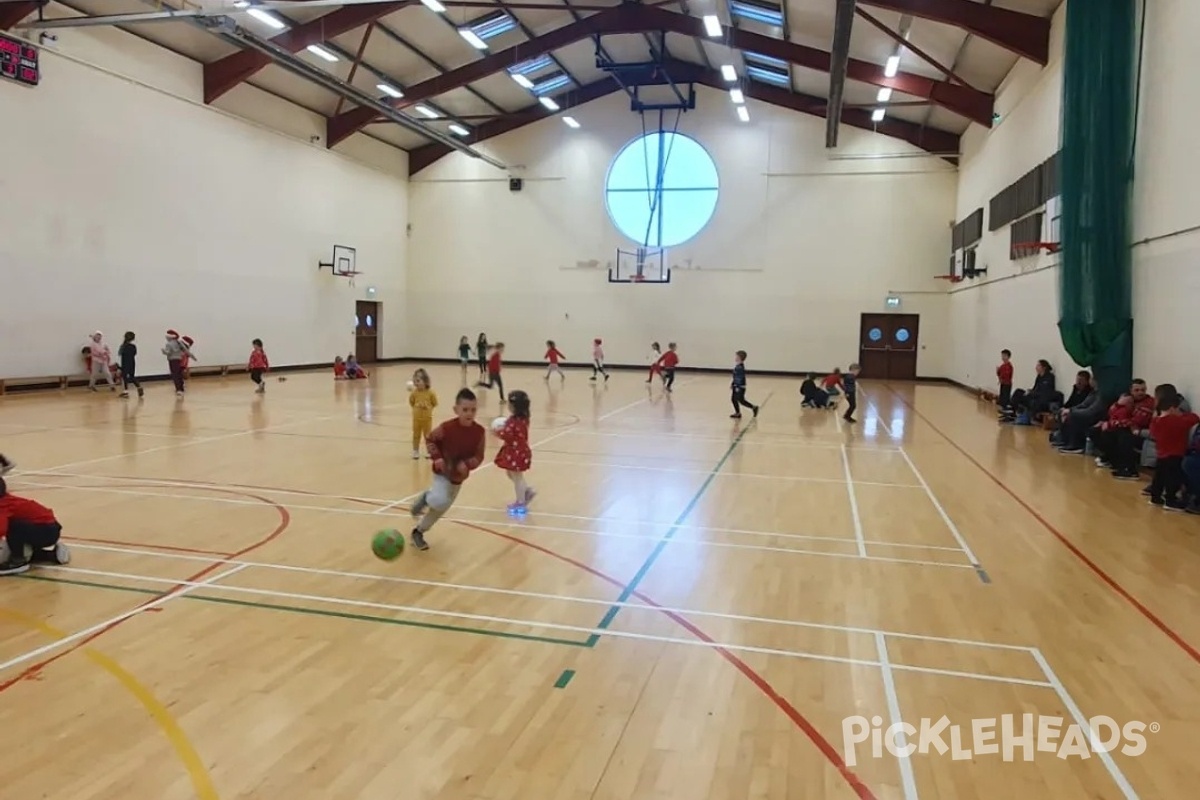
column 176, row 351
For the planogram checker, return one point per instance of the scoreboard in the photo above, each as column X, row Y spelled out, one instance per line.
column 19, row 61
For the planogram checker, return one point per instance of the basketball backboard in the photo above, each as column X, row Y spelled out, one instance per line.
column 344, row 263
column 640, row 265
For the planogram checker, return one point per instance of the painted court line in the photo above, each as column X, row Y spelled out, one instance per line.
column 184, row 589
column 805, row 444
column 569, row 531
column 858, row 526
column 760, row 475
column 983, row 576
column 560, row 597
column 907, row 779
column 212, row 585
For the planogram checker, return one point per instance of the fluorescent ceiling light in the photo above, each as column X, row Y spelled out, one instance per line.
column 241, row 3
column 893, row 66
column 549, row 103
column 757, row 12
column 434, row 6
column 390, row 91
column 884, row 95
column 522, row 80
column 267, row 18
column 317, row 50
column 878, row 115
column 459, row 130
column 743, row 113
column 728, row 72
column 426, row 111
column 472, row 38
column 712, row 25
column 552, row 83
column 768, row 75
column 571, row 122
column 736, row 96
column 533, row 65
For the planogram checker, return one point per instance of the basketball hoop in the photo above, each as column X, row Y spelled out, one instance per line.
column 1027, row 249
column 950, row 278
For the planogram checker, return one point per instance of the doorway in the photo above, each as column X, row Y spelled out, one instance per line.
column 887, row 346
column 366, row 331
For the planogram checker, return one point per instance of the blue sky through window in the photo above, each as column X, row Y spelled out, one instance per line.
column 666, row 213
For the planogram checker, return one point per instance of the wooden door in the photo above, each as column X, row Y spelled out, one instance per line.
column 887, row 348
column 366, row 333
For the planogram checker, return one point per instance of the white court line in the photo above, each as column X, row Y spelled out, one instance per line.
column 907, row 779
column 185, row 587
column 468, row 587
column 858, row 526
column 508, row 522
column 1065, row 698
column 941, row 510
column 533, row 446
column 487, row 618
column 806, row 443
column 575, row 531
column 724, row 473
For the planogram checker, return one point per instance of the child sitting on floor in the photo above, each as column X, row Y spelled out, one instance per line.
column 29, row 533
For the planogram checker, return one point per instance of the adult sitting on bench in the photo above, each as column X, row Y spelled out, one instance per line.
column 1077, row 420
column 1026, row 405
column 1114, row 440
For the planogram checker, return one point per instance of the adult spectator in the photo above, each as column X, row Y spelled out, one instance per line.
column 1114, row 440
column 1076, row 421
column 1026, row 405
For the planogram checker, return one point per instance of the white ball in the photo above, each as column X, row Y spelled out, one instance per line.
column 410, row 386
column 498, row 423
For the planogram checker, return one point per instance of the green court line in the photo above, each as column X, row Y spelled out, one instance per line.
column 317, row 612
column 564, row 679
column 640, row 575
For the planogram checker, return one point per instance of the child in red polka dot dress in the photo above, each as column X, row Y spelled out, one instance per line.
column 516, row 457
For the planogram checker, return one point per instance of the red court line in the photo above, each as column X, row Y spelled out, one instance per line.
column 1078, row 553
column 822, row 744
column 285, row 519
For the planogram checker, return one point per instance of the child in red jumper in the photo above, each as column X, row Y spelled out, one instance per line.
column 1170, row 431
column 258, row 365
column 516, row 457
column 493, row 370
column 456, row 448
column 553, row 354
column 666, row 364
column 28, row 525
column 1004, row 374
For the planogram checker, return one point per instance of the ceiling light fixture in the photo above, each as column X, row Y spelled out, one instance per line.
column 893, row 66
column 472, row 38
column 549, row 103
column 317, row 50
column 390, row 91
column 728, row 73
column 712, row 25
column 571, row 122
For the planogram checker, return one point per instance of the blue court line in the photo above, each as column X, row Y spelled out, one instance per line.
column 640, row 575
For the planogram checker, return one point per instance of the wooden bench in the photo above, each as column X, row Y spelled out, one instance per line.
column 49, row 382
column 67, row 381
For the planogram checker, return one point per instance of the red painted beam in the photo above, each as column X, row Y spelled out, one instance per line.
column 632, row 18
column 221, row 76
column 930, row 139
column 1024, row 34
column 12, row 13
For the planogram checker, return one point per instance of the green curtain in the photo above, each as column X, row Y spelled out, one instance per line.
column 1095, row 304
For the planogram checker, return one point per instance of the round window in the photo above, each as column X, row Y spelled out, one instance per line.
column 902, row 334
column 874, row 334
column 661, row 189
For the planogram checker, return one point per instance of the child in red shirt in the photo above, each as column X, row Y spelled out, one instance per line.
column 493, row 369
column 1004, row 374
column 258, row 364
column 553, row 355
column 667, row 363
column 456, row 448
column 28, row 525
column 1171, row 431
column 515, row 456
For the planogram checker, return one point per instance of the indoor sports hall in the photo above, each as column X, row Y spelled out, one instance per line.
column 248, row 249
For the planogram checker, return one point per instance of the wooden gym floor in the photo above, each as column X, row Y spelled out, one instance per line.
column 689, row 611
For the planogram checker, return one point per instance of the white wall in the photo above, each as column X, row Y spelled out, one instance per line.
column 1016, row 305
column 799, row 245
column 139, row 208
column 1166, row 272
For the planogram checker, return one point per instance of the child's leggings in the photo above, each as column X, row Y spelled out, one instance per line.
column 99, row 370
column 435, row 502
column 422, row 427
column 519, row 485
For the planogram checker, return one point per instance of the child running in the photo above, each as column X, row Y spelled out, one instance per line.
column 553, row 355
column 598, row 360
column 258, row 365
column 493, row 369
column 738, row 396
column 175, row 350
column 456, row 448
column 850, row 387
column 127, row 352
column 25, row 524
column 423, row 401
column 515, row 456
column 653, row 357
column 667, row 364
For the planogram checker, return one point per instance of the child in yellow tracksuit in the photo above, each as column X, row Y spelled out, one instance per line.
column 423, row 400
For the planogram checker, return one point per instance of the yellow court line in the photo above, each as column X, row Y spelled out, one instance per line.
column 158, row 712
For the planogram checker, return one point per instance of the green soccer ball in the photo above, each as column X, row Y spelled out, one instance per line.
column 388, row 544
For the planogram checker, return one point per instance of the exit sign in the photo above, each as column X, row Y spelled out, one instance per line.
column 19, row 61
